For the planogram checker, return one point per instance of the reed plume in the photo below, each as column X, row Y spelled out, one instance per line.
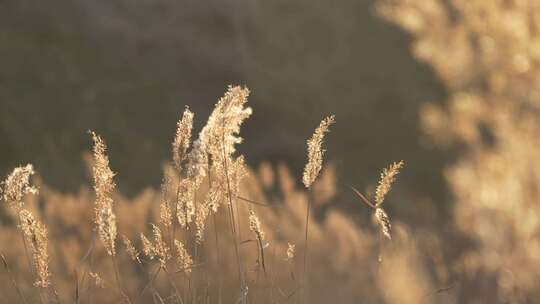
column 158, row 249
column 148, row 247
column 311, row 172
column 185, row 207
column 388, row 176
column 35, row 234
column 17, row 185
column 223, row 126
column 219, row 136
column 182, row 139
column 384, row 222
column 165, row 210
column 186, row 188
column 255, row 225
column 104, row 185
column 185, row 261
column 131, row 250
column 316, row 152
column 162, row 251
column 201, row 215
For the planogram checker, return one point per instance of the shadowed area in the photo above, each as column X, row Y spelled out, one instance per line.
column 127, row 69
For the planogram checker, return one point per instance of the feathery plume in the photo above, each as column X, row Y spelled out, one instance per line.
column 17, row 185
column 255, row 225
column 223, row 127
column 165, row 212
column 158, row 249
column 237, row 171
column 216, row 143
column 104, row 185
column 35, row 234
column 131, row 250
column 161, row 248
column 182, row 138
column 220, row 134
column 148, row 247
column 185, row 206
column 315, row 151
column 388, row 176
column 200, row 221
column 213, row 197
column 185, row 261
column 384, row 222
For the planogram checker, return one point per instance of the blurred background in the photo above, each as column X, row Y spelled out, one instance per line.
column 450, row 86
column 127, row 69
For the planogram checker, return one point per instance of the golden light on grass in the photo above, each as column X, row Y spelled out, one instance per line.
column 182, row 139
column 185, row 261
column 131, row 250
column 388, row 177
column 315, row 151
column 17, row 185
column 36, row 237
column 104, row 186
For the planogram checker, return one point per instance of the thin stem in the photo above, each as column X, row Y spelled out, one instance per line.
column 149, row 284
column 218, row 259
column 216, row 239
column 302, row 292
column 27, row 254
column 176, row 293
column 176, row 210
column 118, row 282
column 364, row 199
column 255, row 202
column 12, row 278
column 232, row 218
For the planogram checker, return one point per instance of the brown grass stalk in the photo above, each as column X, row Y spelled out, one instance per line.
column 12, row 279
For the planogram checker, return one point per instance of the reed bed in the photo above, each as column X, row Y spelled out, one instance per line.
column 209, row 235
column 218, row 231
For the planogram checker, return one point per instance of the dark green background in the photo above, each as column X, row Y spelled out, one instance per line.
column 127, row 69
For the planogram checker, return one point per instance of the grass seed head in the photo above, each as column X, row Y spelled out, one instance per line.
column 384, row 222
column 161, row 250
column 316, row 152
column 255, row 225
column 17, row 185
column 203, row 210
column 131, row 250
column 185, row 261
column 388, row 176
column 182, row 139
column 148, row 247
column 35, row 234
column 104, row 186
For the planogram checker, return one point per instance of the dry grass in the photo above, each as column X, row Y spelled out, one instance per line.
column 169, row 254
column 220, row 232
